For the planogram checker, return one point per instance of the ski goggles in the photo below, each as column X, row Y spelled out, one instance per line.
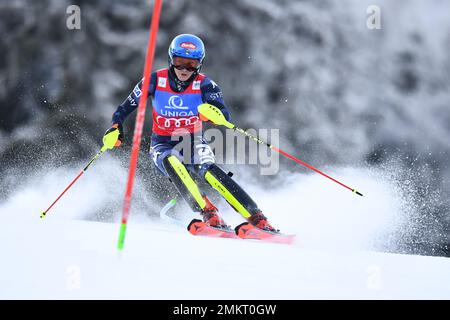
column 190, row 65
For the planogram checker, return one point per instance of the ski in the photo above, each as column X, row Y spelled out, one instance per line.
column 244, row 231
column 247, row 231
column 198, row 228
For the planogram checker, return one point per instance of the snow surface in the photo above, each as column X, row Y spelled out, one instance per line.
column 336, row 255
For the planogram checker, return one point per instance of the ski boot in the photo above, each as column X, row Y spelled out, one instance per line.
column 210, row 216
column 260, row 221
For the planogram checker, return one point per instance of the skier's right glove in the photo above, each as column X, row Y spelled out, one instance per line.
column 209, row 112
column 113, row 137
column 204, row 119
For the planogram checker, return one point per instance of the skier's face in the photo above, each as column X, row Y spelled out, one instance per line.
column 183, row 75
column 184, row 67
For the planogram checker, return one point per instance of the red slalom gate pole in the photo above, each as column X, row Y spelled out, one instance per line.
column 139, row 121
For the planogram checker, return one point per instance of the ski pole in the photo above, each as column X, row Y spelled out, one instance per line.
column 109, row 144
column 44, row 213
column 213, row 114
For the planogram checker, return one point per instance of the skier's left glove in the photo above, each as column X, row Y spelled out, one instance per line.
column 113, row 137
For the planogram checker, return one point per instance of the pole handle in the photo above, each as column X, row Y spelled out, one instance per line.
column 213, row 114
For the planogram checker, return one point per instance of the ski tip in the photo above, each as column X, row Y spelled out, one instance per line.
column 240, row 229
column 194, row 226
column 199, row 228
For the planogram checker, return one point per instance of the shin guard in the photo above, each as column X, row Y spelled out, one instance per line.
column 231, row 191
column 184, row 183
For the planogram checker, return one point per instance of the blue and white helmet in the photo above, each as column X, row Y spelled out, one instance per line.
column 187, row 46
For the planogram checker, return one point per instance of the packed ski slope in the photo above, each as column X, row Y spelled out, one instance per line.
column 66, row 256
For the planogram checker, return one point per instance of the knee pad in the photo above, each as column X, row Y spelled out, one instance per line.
column 204, row 154
column 158, row 153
